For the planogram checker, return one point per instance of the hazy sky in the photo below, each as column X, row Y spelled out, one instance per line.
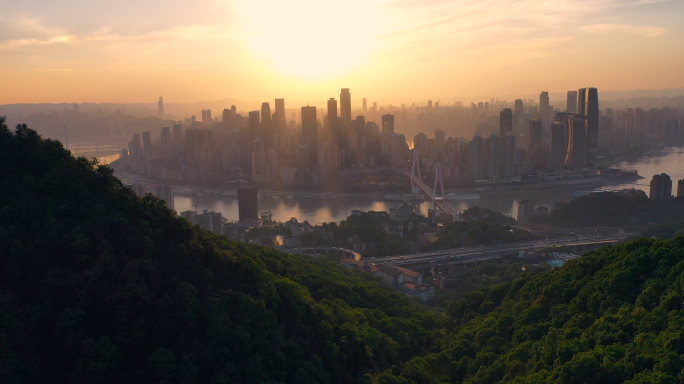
column 135, row 51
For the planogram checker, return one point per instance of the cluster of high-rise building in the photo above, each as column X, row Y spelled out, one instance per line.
column 661, row 187
column 511, row 140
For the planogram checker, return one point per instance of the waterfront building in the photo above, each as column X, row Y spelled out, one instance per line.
column 476, row 157
column 492, row 155
column 576, row 155
column 165, row 192
column 558, row 147
column 661, row 187
column 588, row 105
column 247, row 204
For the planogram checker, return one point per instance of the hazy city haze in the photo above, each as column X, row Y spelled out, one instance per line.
column 127, row 51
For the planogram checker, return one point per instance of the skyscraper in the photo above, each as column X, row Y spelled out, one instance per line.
column 332, row 112
column 535, row 135
column 345, row 107
column 166, row 135
column 266, row 124
column 160, row 108
column 518, row 117
column 309, row 137
column 254, row 126
column 280, row 110
column 439, row 142
column 572, row 102
column 577, row 142
column 544, row 113
column 364, row 106
column 147, row 143
column 247, row 203
column 165, row 192
column 227, row 118
column 558, row 147
column 309, row 121
column 476, row 157
column 661, row 187
column 508, row 160
column 387, row 124
column 492, row 153
column 680, row 188
column 177, row 134
column 588, row 105
column 505, row 126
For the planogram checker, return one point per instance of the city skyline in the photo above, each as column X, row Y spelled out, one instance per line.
column 213, row 50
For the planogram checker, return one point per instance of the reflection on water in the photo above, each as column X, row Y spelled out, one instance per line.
column 318, row 211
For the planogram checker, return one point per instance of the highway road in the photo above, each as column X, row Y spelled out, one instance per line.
column 481, row 252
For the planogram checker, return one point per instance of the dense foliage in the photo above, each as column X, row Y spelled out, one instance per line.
column 609, row 209
column 98, row 286
column 370, row 226
column 485, row 214
column 466, row 233
column 487, row 274
column 614, row 315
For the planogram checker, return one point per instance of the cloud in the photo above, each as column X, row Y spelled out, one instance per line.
column 624, row 28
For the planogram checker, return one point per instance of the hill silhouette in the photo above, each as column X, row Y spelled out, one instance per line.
column 99, row 286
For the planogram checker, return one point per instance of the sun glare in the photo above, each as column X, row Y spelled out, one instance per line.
column 311, row 38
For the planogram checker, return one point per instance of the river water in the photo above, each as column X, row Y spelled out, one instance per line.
column 317, row 210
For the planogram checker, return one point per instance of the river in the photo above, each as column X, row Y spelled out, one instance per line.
column 317, row 210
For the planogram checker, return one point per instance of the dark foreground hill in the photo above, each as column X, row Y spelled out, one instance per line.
column 98, row 286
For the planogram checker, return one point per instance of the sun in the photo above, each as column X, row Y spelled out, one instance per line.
column 311, row 38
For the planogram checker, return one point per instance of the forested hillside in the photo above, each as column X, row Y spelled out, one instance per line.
column 98, row 286
column 612, row 316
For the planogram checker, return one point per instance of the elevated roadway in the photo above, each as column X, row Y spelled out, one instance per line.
column 447, row 259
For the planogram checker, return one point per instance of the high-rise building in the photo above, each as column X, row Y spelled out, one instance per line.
column 508, row 160
column 309, row 123
column 204, row 115
column 280, row 110
column 165, row 192
column 254, row 126
column 387, row 125
column 505, row 121
column 518, row 120
column 364, row 106
column 576, row 155
column 492, row 156
column 166, row 135
column 439, row 142
column 680, row 188
column 572, row 102
column 160, row 108
column 247, row 203
column 396, row 150
column 544, row 113
column 588, row 105
column 332, row 111
column 345, row 107
column 209, row 118
column 535, row 134
column 420, row 142
column 476, row 149
column 147, row 143
column 558, row 147
column 266, row 124
column 227, row 118
column 177, row 133
column 661, row 187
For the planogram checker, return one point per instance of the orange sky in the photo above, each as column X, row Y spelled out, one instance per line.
column 78, row 51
